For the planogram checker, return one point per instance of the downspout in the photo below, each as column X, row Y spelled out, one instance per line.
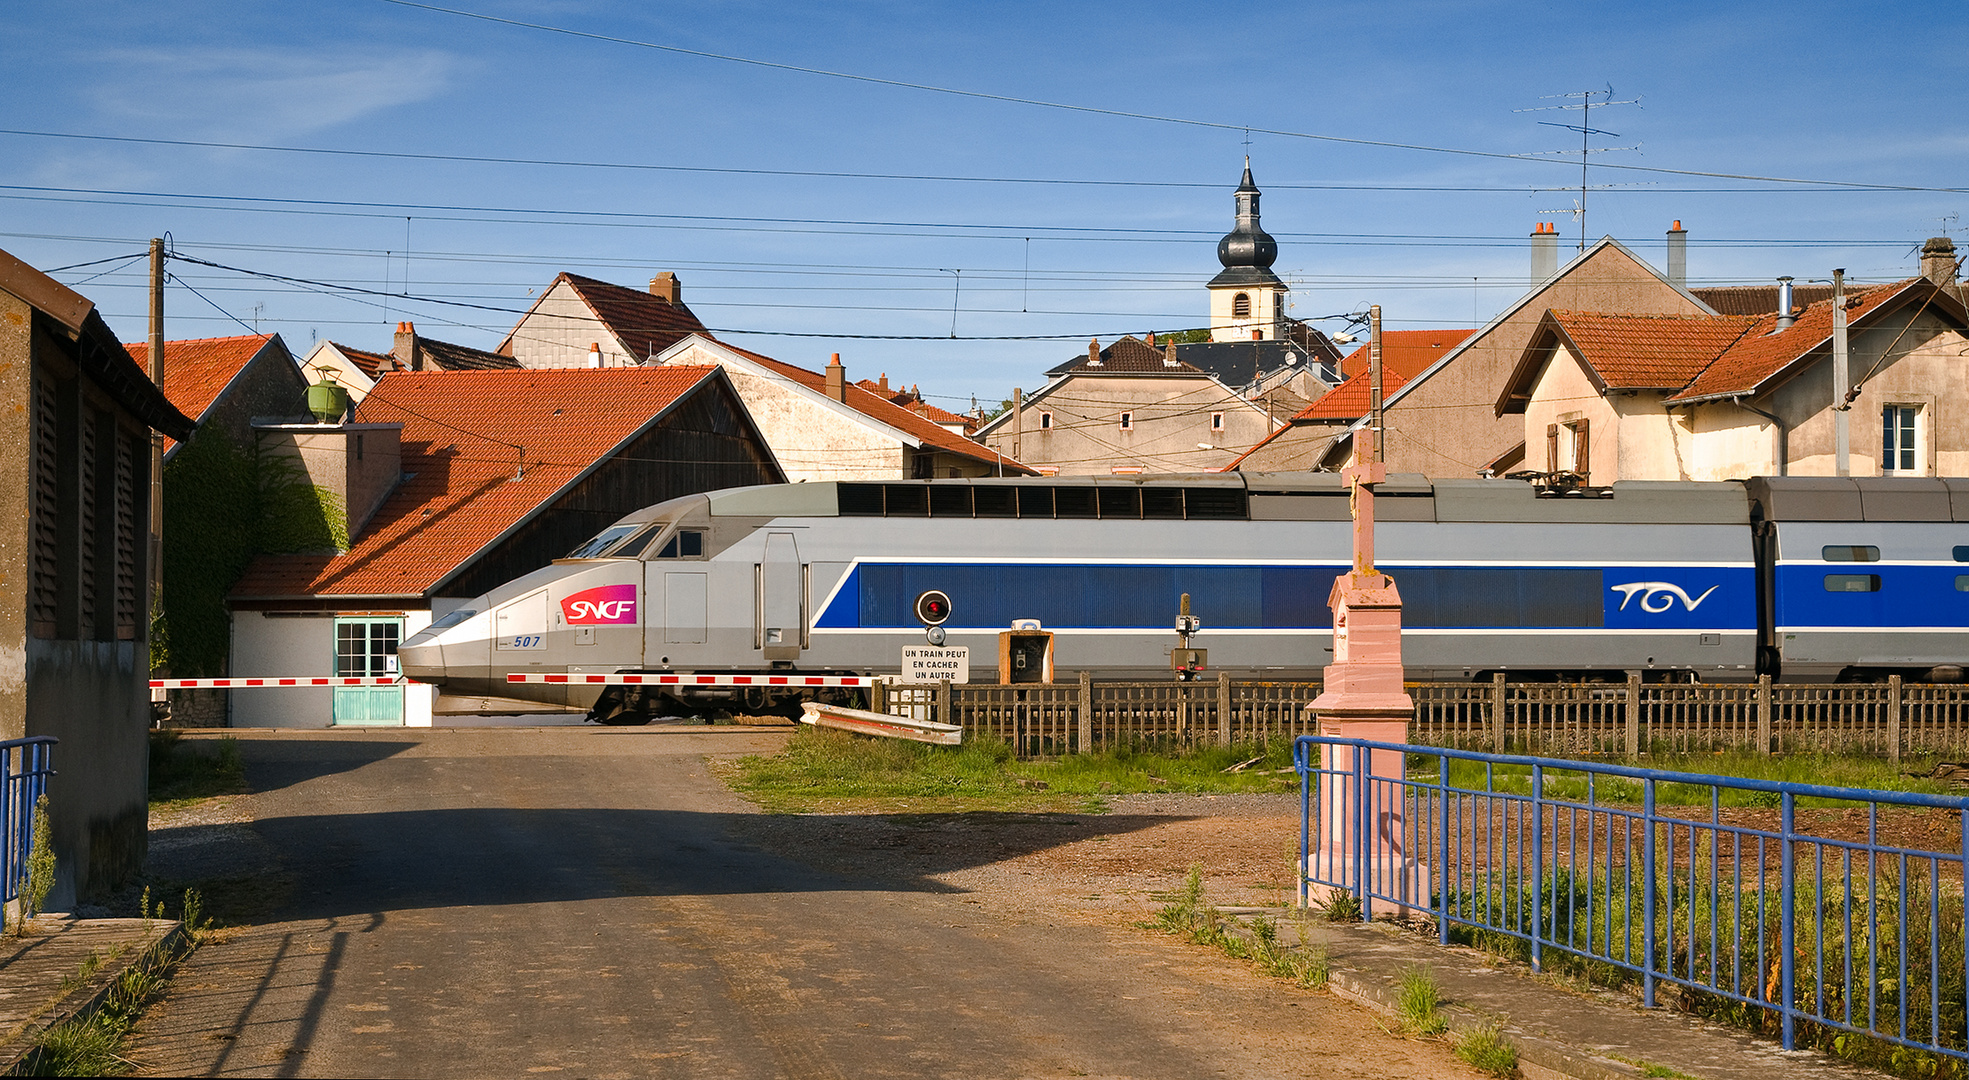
column 1784, row 441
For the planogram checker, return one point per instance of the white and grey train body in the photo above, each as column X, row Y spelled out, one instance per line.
column 1709, row 581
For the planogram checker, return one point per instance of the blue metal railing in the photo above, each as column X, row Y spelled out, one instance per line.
column 1805, row 912
column 25, row 766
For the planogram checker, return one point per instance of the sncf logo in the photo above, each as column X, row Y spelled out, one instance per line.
column 1659, row 596
column 607, row 605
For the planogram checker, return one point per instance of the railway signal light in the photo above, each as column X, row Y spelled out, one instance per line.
column 932, row 608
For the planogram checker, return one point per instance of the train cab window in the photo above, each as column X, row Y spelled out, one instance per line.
column 687, row 544
column 1962, row 553
column 1851, row 553
column 1852, row 583
column 602, row 542
column 633, row 547
column 996, row 500
column 459, row 615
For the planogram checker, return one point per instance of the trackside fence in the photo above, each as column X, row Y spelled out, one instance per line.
column 1889, row 719
column 25, row 766
column 1828, row 910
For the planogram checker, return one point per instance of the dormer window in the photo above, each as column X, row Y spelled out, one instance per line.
column 1241, row 306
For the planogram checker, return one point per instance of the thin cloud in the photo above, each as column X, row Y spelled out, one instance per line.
column 268, row 91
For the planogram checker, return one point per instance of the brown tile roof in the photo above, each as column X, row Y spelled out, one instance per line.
column 459, row 495
column 1759, row 354
column 1350, row 400
column 1648, row 352
column 1757, row 299
column 198, row 370
column 368, row 363
column 645, row 324
column 1404, row 355
column 445, row 356
column 877, row 407
column 912, row 399
column 1130, row 356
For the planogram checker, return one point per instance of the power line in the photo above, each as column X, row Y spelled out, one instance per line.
column 1125, row 114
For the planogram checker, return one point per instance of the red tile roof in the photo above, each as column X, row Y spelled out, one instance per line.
column 198, row 370
column 912, row 399
column 1409, row 352
column 366, row 362
column 644, row 323
column 877, row 407
column 1648, row 352
column 1759, row 354
column 460, row 496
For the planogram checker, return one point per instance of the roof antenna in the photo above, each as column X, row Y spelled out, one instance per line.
column 1583, row 102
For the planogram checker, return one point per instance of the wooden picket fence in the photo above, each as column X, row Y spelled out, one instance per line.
column 1890, row 719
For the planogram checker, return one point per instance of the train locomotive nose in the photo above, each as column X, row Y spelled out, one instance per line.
column 421, row 658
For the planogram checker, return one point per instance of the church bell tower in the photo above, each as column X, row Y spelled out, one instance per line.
column 1246, row 298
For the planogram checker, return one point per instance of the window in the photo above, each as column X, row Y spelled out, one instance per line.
column 688, row 544
column 1852, row 583
column 1897, row 439
column 602, row 542
column 1851, row 553
column 1962, row 583
column 1045, row 421
column 1962, row 553
column 1241, row 306
column 1568, row 448
column 1127, row 421
column 366, row 648
column 1216, row 421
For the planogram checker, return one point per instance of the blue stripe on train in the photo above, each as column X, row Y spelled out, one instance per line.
column 1908, row 596
column 881, row 595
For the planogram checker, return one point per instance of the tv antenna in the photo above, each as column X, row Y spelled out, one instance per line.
column 1583, row 102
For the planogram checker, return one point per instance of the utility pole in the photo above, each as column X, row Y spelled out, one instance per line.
column 156, row 567
column 1842, row 435
column 1380, row 443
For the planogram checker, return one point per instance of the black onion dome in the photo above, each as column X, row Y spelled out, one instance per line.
column 1247, row 244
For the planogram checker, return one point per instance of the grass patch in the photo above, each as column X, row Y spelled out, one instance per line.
column 1418, row 1002
column 182, row 773
column 93, row 1045
column 1190, row 915
column 1486, row 1048
column 1833, row 770
column 824, row 769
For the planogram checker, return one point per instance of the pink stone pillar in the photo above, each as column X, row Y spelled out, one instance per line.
column 1363, row 698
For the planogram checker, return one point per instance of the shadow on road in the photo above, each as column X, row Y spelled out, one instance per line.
column 273, row 764
column 354, row 863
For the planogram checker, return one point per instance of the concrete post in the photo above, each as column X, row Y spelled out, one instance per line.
column 1497, row 700
column 1764, row 714
column 1894, row 719
column 1086, row 712
column 1223, row 708
column 1633, row 714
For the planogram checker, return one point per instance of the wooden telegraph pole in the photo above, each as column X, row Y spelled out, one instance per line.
column 156, row 553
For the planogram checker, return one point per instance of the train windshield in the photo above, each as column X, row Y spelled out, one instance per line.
column 602, row 542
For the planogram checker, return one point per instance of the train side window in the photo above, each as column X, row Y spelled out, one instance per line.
column 1962, row 583
column 1851, row 553
column 1035, row 502
column 950, row 500
column 1118, row 502
column 1075, row 502
column 907, row 500
column 996, row 500
column 1162, row 502
column 1852, row 583
column 685, row 545
column 1962, row 553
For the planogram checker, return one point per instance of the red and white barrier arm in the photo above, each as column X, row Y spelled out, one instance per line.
column 235, row 684
column 695, row 680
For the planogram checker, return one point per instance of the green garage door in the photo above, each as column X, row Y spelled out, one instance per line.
column 367, row 646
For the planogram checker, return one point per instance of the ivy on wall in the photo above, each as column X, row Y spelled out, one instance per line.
column 224, row 504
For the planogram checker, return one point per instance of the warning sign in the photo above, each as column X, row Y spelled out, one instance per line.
column 926, row 663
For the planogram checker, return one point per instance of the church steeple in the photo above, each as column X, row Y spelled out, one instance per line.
column 1246, row 298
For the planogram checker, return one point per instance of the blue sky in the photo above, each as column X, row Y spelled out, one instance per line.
column 778, row 263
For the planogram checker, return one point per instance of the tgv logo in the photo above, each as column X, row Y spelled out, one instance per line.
column 607, row 605
column 1658, row 596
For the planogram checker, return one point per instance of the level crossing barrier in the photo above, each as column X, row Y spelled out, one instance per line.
column 25, row 766
column 1837, row 910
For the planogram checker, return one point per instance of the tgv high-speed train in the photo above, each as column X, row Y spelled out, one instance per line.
column 1810, row 578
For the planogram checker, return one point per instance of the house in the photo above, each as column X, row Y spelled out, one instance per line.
column 823, row 427
column 224, row 382
column 75, row 561
column 1305, row 441
column 357, row 371
column 581, row 322
column 476, row 477
column 1128, row 408
column 1612, row 396
column 1443, row 421
column 912, row 399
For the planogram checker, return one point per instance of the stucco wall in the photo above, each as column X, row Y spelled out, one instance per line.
column 1170, row 417
column 15, row 558
column 268, row 645
column 1267, row 303
column 1731, row 443
column 558, row 331
column 1446, row 425
column 813, row 437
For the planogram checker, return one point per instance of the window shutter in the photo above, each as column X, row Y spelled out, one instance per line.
column 1551, row 448
column 1582, row 461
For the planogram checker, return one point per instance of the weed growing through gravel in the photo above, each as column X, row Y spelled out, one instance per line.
column 1486, row 1048
column 819, row 766
column 1189, row 915
column 182, row 773
column 93, row 1045
column 1418, row 1002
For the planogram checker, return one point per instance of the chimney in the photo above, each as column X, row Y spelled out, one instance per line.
column 1169, row 353
column 667, row 288
column 1150, row 340
column 1785, row 304
column 405, row 348
column 1257, row 335
column 1544, row 253
column 882, row 382
column 1093, row 355
column 837, row 379
column 594, row 354
column 1678, row 255
column 1938, row 260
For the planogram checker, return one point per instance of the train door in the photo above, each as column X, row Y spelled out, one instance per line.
column 367, row 645
column 779, row 627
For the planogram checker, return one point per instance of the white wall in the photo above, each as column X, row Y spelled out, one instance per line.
column 558, row 331
column 814, row 437
column 270, row 646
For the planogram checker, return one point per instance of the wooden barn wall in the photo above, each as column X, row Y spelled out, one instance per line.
column 706, row 443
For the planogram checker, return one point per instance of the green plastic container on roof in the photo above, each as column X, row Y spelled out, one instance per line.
column 327, row 399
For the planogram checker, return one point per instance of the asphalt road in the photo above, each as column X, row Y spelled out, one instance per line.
column 570, row 902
